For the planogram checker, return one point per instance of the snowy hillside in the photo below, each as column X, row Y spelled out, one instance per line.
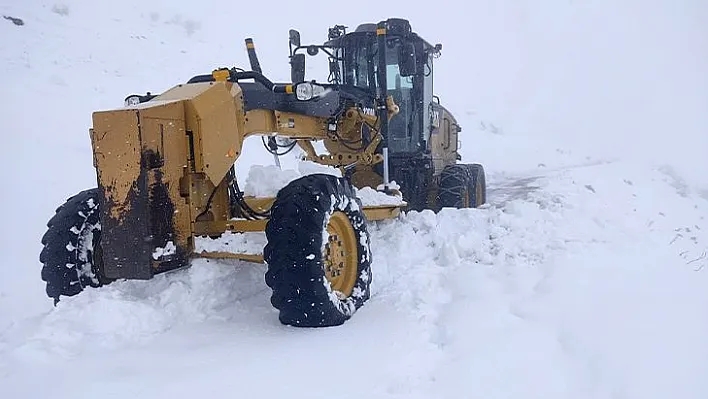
column 585, row 277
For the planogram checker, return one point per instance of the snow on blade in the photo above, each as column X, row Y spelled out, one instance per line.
column 266, row 181
column 241, row 243
column 371, row 197
column 160, row 252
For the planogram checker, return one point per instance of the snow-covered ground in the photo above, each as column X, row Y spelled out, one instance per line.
column 574, row 283
column 586, row 276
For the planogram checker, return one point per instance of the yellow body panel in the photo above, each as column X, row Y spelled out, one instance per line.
column 163, row 166
column 116, row 155
column 220, row 124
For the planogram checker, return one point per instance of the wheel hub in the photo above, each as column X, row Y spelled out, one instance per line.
column 340, row 254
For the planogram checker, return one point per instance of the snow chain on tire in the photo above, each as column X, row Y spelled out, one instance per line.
column 478, row 186
column 461, row 185
column 70, row 245
column 454, row 186
column 298, row 244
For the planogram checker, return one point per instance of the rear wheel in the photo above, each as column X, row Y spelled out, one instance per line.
column 478, row 184
column 462, row 186
column 72, row 247
column 318, row 255
column 454, row 187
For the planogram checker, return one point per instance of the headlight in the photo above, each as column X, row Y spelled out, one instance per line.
column 132, row 101
column 307, row 91
column 136, row 99
column 303, row 91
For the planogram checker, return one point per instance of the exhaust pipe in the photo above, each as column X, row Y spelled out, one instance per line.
column 256, row 67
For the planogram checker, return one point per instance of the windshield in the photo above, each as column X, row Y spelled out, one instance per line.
column 358, row 63
column 404, row 128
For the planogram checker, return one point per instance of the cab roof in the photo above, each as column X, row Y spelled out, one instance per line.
column 395, row 26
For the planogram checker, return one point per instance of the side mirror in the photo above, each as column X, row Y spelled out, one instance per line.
column 407, row 62
column 294, row 38
column 297, row 68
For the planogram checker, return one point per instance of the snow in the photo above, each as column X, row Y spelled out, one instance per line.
column 371, row 197
column 310, row 168
column 553, row 290
column 152, row 104
column 392, row 185
column 169, row 249
column 267, row 180
column 585, row 276
column 240, row 243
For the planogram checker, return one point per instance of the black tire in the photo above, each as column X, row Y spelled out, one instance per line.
column 294, row 253
column 71, row 244
column 462, row 186
column 478, row 185
column 454, row 187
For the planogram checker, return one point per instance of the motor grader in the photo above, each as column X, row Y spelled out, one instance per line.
column 166, row 175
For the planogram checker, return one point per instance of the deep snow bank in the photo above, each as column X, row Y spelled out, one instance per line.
column 585, row 282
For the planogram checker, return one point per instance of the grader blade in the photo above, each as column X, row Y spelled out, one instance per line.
column 140, row 218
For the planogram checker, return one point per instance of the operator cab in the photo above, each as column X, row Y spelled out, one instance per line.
column 354, row 61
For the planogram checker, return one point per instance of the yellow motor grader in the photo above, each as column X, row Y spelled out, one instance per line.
column 166, row 175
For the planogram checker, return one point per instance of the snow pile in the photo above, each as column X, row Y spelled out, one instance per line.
column 127, row 313
column 553, row 290
column 240, row 243
column 266, row 181
column 311, row 168
column 371, row 197
column 556, row 291
column 169, row 249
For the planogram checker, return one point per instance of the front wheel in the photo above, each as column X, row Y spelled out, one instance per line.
column 71, row 257
column 318, row 254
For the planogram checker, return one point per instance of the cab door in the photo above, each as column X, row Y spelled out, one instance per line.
column 444, row 138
